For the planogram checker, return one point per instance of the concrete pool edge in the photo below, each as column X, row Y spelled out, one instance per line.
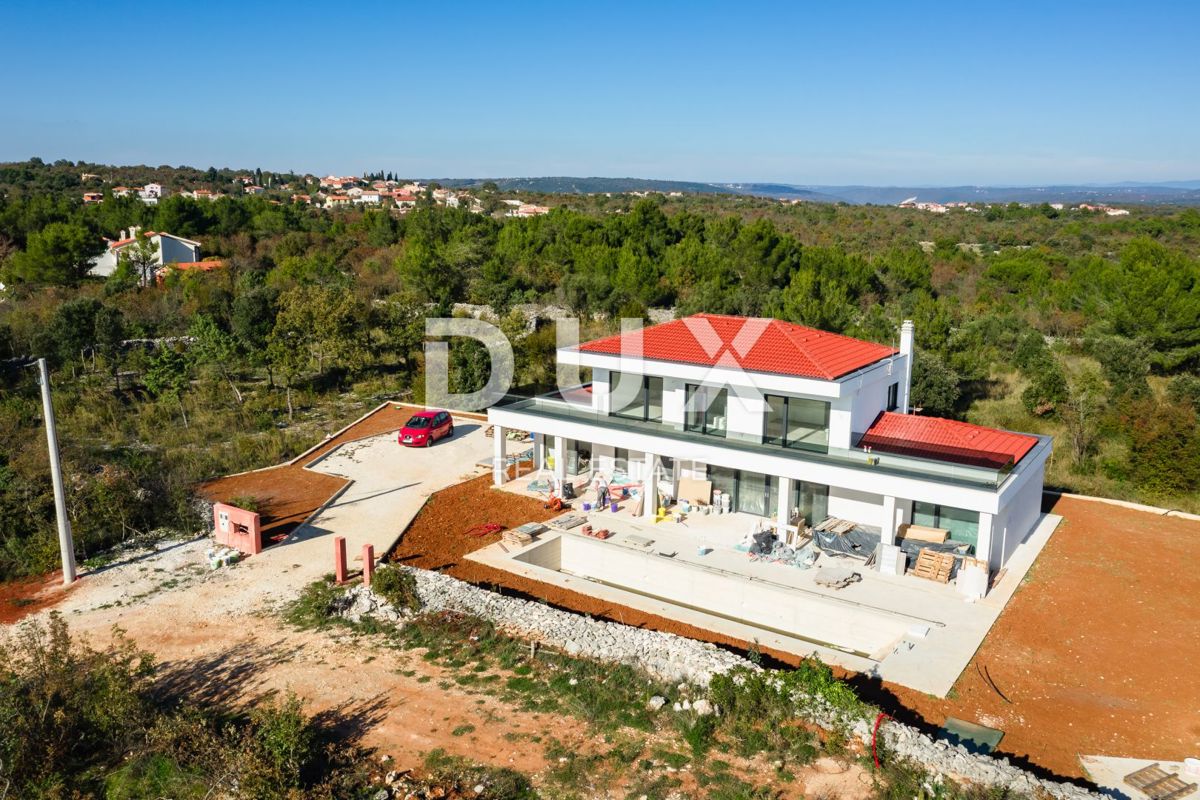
column 497, row 557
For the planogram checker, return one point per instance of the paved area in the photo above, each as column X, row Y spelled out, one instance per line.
column 382, row 487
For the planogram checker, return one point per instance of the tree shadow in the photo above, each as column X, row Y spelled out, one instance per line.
column 351, row 720
column 226, row 677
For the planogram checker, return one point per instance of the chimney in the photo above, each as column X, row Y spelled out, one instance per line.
column 906, row 349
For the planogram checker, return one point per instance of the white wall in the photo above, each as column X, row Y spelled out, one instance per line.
column 1016, row 520
column 755, row 602
column 855, row 505
column 173, row 251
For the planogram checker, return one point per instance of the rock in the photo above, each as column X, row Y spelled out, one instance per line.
column 703, row 707
column 830, row 766
column 656, row 703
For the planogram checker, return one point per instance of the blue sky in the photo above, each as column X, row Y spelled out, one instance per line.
column 879, row 93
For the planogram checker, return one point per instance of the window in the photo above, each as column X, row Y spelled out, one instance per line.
column 707, row 408
column 796, row 422
column 893, row 396
column 962, row 524
column 811, row 500
column 636, row 397
column 666, row 468
column 749, row 492
column 621, row 460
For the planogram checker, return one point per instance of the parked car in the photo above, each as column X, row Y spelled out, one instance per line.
column 426, row 427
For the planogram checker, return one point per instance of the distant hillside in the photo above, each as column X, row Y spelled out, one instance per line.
column 569, row 185
column 1181, row 193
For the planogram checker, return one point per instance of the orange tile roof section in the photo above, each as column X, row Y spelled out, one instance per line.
column 946, row 440
column 748, row 343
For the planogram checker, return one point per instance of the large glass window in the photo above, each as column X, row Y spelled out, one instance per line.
column 752, row 494
column 749, row 492
column 636, row 396
column 725, row 480
column 962, row 524
column 707, row 410
column 627, row 395
column 811, row 500
column 654, row 398
column 796, row 422
column 775, row 425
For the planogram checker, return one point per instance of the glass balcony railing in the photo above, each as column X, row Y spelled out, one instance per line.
column 555, row 408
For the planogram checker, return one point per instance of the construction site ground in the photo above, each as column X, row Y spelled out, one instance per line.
column 1094, row 654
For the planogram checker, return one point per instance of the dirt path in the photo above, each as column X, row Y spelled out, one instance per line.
column 389, row 700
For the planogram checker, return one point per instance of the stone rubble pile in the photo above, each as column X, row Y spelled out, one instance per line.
column 674, row 658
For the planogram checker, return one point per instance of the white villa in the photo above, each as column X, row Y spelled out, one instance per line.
column 171, row 250
column 785, row 423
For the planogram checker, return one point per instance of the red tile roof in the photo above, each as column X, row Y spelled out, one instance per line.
column 946, row 440
column 749, row 343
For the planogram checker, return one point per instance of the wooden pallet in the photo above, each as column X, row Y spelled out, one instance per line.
column 933, row 566
column 1158, row 784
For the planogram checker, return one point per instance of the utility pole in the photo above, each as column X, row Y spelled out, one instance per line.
column 65, row 542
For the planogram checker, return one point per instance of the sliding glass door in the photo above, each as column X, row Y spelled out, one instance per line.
column 707, row 410
column 796, row 422
column 637, row 397
column 962, row 524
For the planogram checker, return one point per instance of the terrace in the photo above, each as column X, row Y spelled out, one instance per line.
column 903, row 629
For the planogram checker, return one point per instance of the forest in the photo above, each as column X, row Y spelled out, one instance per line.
column 1065, row 322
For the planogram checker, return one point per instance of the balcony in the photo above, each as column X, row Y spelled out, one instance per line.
column 554, row 407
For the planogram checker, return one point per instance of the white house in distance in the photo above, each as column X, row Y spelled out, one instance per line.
column 782, row 422
column 171, row 250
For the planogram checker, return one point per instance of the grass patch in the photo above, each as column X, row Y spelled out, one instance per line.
column 458, row 775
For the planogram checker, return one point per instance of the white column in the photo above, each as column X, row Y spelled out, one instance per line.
column 650, row 487
column 983, row 544
column 539, row 444
column 888, row 520
column 783, row 510
column 499, row 465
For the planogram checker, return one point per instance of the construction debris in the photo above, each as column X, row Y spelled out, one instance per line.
column 934, row 566
column 836, row 526
column 1158, row 784
column 566, row 522
column 836, row 577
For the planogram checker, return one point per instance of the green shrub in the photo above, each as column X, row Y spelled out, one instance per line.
column 314, row 607
column 397, row 586
column 246, row 502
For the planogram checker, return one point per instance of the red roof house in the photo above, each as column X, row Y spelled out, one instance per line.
column 751, row 344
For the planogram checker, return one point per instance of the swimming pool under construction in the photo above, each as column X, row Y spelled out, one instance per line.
column 903, row 629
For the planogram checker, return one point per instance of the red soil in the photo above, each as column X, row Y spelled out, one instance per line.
column 25, row 596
